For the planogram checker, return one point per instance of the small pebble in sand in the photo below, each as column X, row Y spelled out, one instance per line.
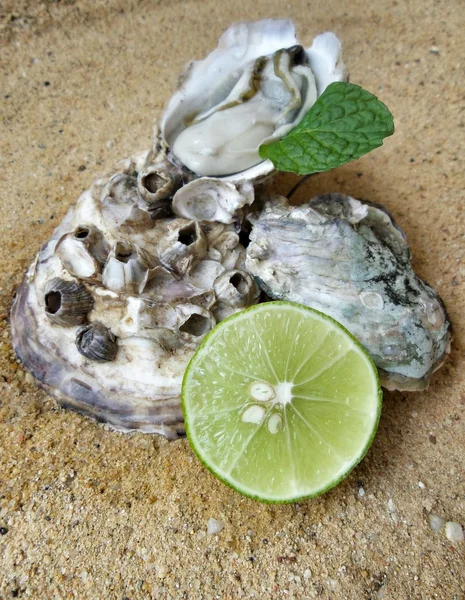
column 392, row 510
column 421, row 485
column 162, row 572
column 307, row 574
column 454, row 532
column 434, row 50
column 214, row 526
column 435, row 522
column 29, row 379
column 361, row 492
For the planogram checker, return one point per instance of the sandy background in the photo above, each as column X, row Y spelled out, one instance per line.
column 91, row 514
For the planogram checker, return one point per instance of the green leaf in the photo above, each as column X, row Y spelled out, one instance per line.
column 345, row 123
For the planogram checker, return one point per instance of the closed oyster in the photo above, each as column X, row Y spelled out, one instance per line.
column 349, row 259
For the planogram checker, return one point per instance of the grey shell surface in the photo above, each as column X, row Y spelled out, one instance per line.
column 348, row 259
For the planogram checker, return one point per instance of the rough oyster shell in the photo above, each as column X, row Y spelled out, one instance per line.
column 349, row 259
column 150, row 299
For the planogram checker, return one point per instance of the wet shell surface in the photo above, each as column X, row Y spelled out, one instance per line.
column 348, row 259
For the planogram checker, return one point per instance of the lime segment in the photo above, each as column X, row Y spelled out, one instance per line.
column 280, row 402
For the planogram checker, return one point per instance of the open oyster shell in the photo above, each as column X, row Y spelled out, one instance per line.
column 350, row 260
column 255, row 87
column 112, row 309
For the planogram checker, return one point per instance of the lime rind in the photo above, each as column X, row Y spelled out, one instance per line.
column 231, row 481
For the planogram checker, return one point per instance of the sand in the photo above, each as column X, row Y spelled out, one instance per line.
column 92, row 514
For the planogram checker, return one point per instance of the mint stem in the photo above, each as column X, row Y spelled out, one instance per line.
column 301, row 181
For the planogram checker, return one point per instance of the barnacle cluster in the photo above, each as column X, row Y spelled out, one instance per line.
column 116, row 301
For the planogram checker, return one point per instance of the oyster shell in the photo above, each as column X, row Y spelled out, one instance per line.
column 255, row 87
column 210, row 199
column 113, row 307
column 349, row 259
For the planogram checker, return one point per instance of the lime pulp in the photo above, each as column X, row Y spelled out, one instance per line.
column 280, row 402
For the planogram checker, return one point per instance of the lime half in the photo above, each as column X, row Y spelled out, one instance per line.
column 280, row 402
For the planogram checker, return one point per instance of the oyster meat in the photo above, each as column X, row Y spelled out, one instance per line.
column 348, row 259
column 255, row 87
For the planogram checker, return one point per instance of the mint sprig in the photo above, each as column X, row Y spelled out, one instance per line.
column 345, row 123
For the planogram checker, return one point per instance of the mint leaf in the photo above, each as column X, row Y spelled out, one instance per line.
column 345, row 123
